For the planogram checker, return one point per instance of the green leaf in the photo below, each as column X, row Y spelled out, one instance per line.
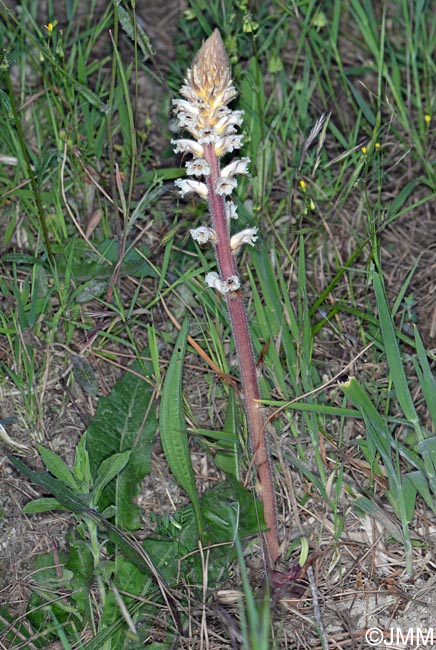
column 408, row 487
column 81, row 469
column 57, row 467
column 378, row 436
column 418, row 479
column 93, row 99
column 226, row 457
column 93, row 268
column 173, row 432
column 135, row 32
column 253, row 101
column 109, row 469
column 426, row 378
column 229, row 510
column 401, row 198
column 363, row 105
column 374, row 510
column 427, row 448
column 84, row 375
column 124, row 421
column 64, row 495
column 393, row 352
column 44, row 504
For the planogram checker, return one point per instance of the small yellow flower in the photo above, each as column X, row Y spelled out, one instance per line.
column 302, row 184
column 50, row 27
column 377, row 145
column 364, row 150
column 427, row 118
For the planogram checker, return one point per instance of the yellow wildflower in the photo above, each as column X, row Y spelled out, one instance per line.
column 50, row 27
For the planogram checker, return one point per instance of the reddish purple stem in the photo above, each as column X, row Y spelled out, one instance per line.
column 250, row 386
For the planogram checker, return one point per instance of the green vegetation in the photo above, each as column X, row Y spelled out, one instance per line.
column 98, row 274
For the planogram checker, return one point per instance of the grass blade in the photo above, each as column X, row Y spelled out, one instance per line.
column 426, row 378
column 393, row 353
column 379, row 436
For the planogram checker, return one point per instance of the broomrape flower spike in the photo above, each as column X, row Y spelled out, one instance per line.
column 212, row 126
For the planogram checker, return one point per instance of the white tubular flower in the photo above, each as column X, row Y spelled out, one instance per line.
column 212, row 278
column 181, row 105
column 197, row 167
column 206, row 136
column 231, row 212
column 227, row 144
column 229, row 94
column 185, row 186
column 187, row 115
column 187, row 121
column 225, row 186
column 247, row 236
column 237, row 166
column 203, row 234
column 227, row 124
column 188, row 146
column 187, row 91
column 223, row 286
column 231, row 284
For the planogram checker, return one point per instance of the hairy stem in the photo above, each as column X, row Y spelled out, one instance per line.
column 250, row 386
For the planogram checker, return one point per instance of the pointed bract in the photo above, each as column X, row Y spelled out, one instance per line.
column 209, row 75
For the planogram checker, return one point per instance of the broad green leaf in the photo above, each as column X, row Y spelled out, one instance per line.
column 44, row 504
column 124, row 421
column 173, row 432
column 229, row 510
column 93, row 99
